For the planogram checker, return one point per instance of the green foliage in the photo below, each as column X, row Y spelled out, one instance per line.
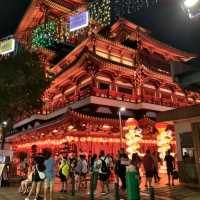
column 22, row 83
column 44, row 35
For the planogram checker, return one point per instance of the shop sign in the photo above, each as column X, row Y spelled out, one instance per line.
column 7, row 46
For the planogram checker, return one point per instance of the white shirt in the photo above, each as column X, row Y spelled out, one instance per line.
column 84, row 167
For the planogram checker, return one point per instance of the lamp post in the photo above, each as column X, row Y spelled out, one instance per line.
column 122, row 109
column 2, row 136
column 190, row 3
column 192, row 7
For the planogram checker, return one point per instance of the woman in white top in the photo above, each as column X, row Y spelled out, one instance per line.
column 84, row 172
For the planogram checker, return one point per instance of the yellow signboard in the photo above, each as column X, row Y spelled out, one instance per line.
column 7, row 46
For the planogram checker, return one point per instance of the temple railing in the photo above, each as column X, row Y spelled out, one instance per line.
column 111, row 94
column 60, row 103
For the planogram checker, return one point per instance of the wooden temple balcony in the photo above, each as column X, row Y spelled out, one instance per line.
column 113, row 95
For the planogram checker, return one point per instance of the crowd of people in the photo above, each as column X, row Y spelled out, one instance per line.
column 78, row 170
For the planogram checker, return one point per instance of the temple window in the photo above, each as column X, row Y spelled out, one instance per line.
column 125, row 90
column 104, row 86
column 149, row 90
column 85, row 88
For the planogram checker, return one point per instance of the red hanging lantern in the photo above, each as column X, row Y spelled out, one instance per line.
column 131, row 123
column 161, row 126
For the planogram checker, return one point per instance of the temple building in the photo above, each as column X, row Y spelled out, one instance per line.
column 95, row 71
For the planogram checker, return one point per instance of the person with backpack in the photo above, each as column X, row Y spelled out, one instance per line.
column 104, row 171
column 63, row 173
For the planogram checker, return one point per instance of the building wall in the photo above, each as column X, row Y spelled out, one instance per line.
column 189, row 170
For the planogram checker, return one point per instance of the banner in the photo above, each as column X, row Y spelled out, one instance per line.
column 79, row 21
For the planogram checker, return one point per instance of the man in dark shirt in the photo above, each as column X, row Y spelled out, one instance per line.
column 170, row 162
column 121, row 164
column 148, row 164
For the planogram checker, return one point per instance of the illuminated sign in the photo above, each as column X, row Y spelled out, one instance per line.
column 7, row 46
column 79, row 21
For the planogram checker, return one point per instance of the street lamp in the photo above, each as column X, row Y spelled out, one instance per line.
column 5, row 123
column 122, row 109
column 192, row 7
column 2, row 137
column 190, row 3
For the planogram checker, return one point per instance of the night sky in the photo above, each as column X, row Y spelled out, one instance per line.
column 167, row 21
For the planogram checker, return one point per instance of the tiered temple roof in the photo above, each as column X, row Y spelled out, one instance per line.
column 103, row 70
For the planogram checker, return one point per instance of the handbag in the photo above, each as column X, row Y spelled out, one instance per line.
column 41, row 174
column 175, row 174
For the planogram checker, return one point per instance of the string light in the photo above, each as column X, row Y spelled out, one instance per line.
column 100, row 11
column 57, row 142
column 123, row 7
column 44, row 35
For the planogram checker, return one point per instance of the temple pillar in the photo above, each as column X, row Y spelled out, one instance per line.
column 159, row 95
column 173, row 98
column 109, row 51
column 138, row 93
column 113, row 86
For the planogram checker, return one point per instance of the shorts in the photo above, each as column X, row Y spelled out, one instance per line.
column 149, row 173
column 63, row 178
column 35, row 177
column 49, row 181
column 26, row 182
column 83, row 174
column 170, row 171
column 103, row 177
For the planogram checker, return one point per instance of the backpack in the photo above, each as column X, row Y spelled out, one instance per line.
column 104, row 167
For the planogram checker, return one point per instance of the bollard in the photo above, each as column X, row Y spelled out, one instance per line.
column 73, row 184
column 92, row 186
column 151, row 193
column 117, row 197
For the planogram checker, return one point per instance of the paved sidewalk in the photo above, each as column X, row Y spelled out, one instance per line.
column 162, row 193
